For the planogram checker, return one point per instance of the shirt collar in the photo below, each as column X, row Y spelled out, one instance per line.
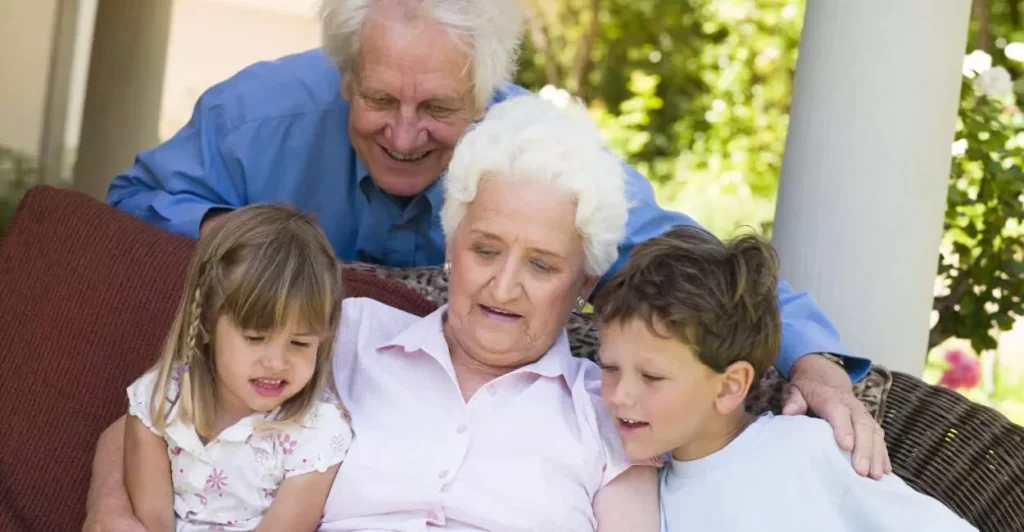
column 434, row 193
column 427, row 335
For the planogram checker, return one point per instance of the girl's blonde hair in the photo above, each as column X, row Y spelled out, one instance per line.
column 260, row 266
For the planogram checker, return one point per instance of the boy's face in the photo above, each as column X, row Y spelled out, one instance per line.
column 660, row 395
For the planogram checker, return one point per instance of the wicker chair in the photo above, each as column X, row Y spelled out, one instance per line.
column 966, row 455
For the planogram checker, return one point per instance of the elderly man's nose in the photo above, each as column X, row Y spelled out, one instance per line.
column 406, row 135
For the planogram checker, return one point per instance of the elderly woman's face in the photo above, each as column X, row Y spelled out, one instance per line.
column 517, row 268
column 410, row 103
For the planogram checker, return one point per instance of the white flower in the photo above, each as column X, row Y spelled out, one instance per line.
column 996, row 83
column 959, row 147
column 559, row 97
column 976, row 62
column 1015, row 51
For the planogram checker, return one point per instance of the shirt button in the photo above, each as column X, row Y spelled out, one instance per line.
column 460, row 429
column 492, row 390
column 442, row 474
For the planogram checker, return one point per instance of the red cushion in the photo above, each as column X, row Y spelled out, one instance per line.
column 86, row 295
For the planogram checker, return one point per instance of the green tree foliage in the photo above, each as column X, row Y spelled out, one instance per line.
column 695, row 94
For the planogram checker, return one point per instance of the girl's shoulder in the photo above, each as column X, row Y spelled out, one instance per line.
column 140, row 393
column 319, row 440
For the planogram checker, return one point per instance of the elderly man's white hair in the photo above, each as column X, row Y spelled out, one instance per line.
column 529, row 138
column 488, row 30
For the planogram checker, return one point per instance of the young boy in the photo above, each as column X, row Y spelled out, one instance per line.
column 686, row 328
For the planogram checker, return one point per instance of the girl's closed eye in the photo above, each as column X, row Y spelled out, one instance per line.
column 254, row 338
column 649, row 377
column 607, row 368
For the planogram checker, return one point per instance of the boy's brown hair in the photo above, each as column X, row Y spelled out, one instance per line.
column 718, row 298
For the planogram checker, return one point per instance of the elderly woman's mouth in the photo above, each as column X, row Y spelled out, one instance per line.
column 499, row 313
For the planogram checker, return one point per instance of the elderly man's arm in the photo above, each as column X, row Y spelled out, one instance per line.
column 176, row 184
column 108, row 508
column 629, row 502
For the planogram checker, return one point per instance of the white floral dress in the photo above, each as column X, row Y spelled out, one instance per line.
column 229, row 483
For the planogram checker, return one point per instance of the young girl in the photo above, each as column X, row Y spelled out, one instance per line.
column 234, row 428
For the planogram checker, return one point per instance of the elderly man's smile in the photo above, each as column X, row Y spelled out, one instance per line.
column 401, row 157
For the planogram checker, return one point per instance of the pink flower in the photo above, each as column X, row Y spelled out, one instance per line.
column 217, row 480
column 287, row 444
column 963, row 370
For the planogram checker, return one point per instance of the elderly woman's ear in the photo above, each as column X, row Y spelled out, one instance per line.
column 589, row 284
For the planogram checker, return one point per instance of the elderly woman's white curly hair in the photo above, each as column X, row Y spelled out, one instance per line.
column 490, row 31
column 527, row 137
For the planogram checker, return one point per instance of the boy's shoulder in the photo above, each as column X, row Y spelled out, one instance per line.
column 810, row 438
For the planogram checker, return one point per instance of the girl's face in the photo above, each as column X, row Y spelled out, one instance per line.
column 257, row 371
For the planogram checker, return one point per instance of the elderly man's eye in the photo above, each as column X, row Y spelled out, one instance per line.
column 378, row 100
column 438, row 110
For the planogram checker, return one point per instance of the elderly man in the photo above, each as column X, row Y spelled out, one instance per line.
column 360, row 133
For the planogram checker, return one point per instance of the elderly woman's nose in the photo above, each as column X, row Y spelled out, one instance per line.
column 506, row 284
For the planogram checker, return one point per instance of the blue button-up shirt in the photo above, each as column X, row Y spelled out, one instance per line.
column 278, row 132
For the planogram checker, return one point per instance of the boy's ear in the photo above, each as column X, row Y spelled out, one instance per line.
column 735, row 383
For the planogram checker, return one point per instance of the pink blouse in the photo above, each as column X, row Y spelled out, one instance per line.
column 528, row 452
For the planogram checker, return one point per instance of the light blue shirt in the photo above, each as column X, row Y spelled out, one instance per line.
column 277, row 131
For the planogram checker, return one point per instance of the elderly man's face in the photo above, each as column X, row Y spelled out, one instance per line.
column 411, row 99
column 517, row 268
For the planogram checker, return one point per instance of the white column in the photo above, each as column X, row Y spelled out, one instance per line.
column 863, row 185
column 122, row 102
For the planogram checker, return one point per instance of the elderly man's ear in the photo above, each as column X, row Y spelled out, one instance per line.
column 347, row 90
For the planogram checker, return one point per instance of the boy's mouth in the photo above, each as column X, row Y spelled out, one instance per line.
column 630, row 425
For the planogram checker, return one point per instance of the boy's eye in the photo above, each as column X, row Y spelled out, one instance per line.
column 608, row 368
column 302, row 344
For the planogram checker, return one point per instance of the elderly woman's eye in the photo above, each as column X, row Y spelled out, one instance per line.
column 485, row 251
column 541, row 266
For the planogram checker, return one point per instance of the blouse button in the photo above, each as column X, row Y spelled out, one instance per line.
column 460, row 429
column 492, row 390
column 442, row 474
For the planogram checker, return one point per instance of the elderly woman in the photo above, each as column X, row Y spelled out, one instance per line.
column 478, row 417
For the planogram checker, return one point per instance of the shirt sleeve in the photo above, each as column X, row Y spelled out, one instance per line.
column 175, row 184
column 139, row 394
column 805, row 328
column 892, row 505
column 321, row 441
column 592, row 415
